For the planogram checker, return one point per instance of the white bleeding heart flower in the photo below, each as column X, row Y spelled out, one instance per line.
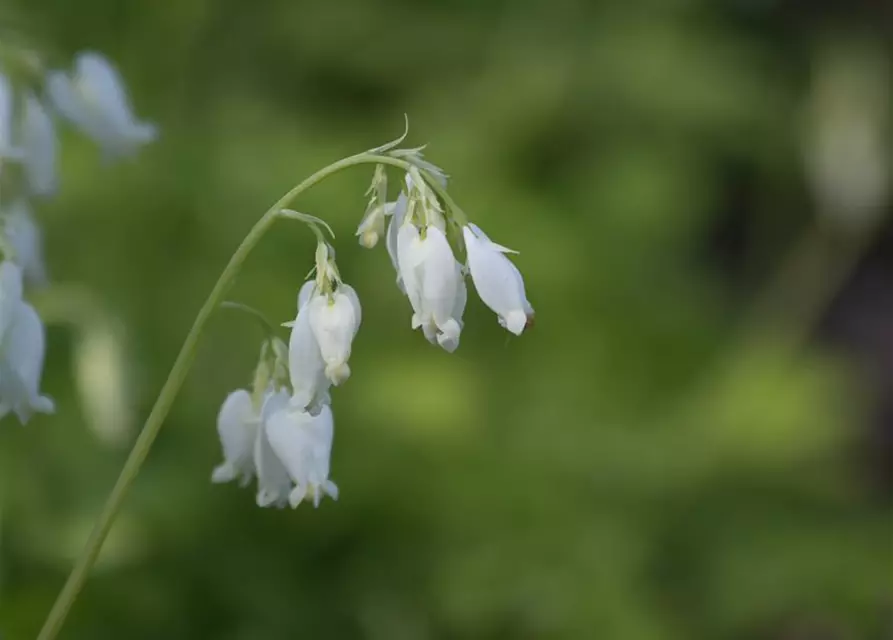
column 303, row 443
column 273, row 482
column 497, row 280
column 434, row 284
column 305, row 364
column 38, row 144
column 237, row 425
column 399, row 215
column 24, row 237
column 22, row 346
column 335, row 319
column 6, row 116
column 93, row 98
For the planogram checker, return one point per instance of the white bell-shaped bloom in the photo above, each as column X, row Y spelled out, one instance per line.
column 303, row 442
column 38, row 143
column 434, row 284
column 22, row 345
column 6, row 116
column 237, row 425
column 335, row 320
column 273, row 482
column 393, row 232
column 93, row 98
column 497, row 280
column 305, row 364
column 10, row 295
column 25, row 238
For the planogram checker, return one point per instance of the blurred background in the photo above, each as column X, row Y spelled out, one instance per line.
column 695, row 439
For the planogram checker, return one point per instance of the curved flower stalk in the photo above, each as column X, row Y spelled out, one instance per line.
column 281, row 430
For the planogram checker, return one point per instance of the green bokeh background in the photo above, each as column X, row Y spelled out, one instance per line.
column 631, row 468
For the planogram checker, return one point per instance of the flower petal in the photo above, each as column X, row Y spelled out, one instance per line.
column 237, row 424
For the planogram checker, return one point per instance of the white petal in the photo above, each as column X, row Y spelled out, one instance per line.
column 498, row 281
column 351, row 294
column 305, row 293
column 393, row 230
column 410, row 256
column 273, row 482
column 6, row 113
column 94, row 100
column 39, row 146
column 10, row 295
column 440, row 284
column 334, row 322
column 63, row 97
column 24, row 235
column 305, row 364
column 237, row 424
column 303, row 443
column 21, row 365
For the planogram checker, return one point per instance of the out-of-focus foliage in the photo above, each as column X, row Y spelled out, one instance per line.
column 628, row 469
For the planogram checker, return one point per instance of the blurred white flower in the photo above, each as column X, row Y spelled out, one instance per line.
column 22, row 347
column 93, row 98
column 6, row 115
column 103, row 375
column 303, row 443
column 237, row 426
column 305, row 364
column 24, row 237
column 335, row 319
column 273, row 482
column 38, row 143
column 497, row 280
column 433, row 282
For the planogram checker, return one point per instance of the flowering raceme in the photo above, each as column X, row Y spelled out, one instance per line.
column 286, row 420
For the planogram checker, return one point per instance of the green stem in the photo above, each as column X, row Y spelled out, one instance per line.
column 93, row 546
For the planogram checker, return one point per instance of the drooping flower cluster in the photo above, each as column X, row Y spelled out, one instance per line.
column 420, row 247
column 281, row 431
column 31, row 99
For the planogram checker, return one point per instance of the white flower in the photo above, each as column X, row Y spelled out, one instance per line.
column 305, row 364
column 24, row 237
column 93, row 99
column 434, row 284
column 6, row 114
column 335, row 319
column 394, row 226
column 39, row 147
column 303, row 443
column 497, row 280
column 237, row 426
column 22, row 347
column 273, row 481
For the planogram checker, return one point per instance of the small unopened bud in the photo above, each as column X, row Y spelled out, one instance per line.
column 369, row 238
